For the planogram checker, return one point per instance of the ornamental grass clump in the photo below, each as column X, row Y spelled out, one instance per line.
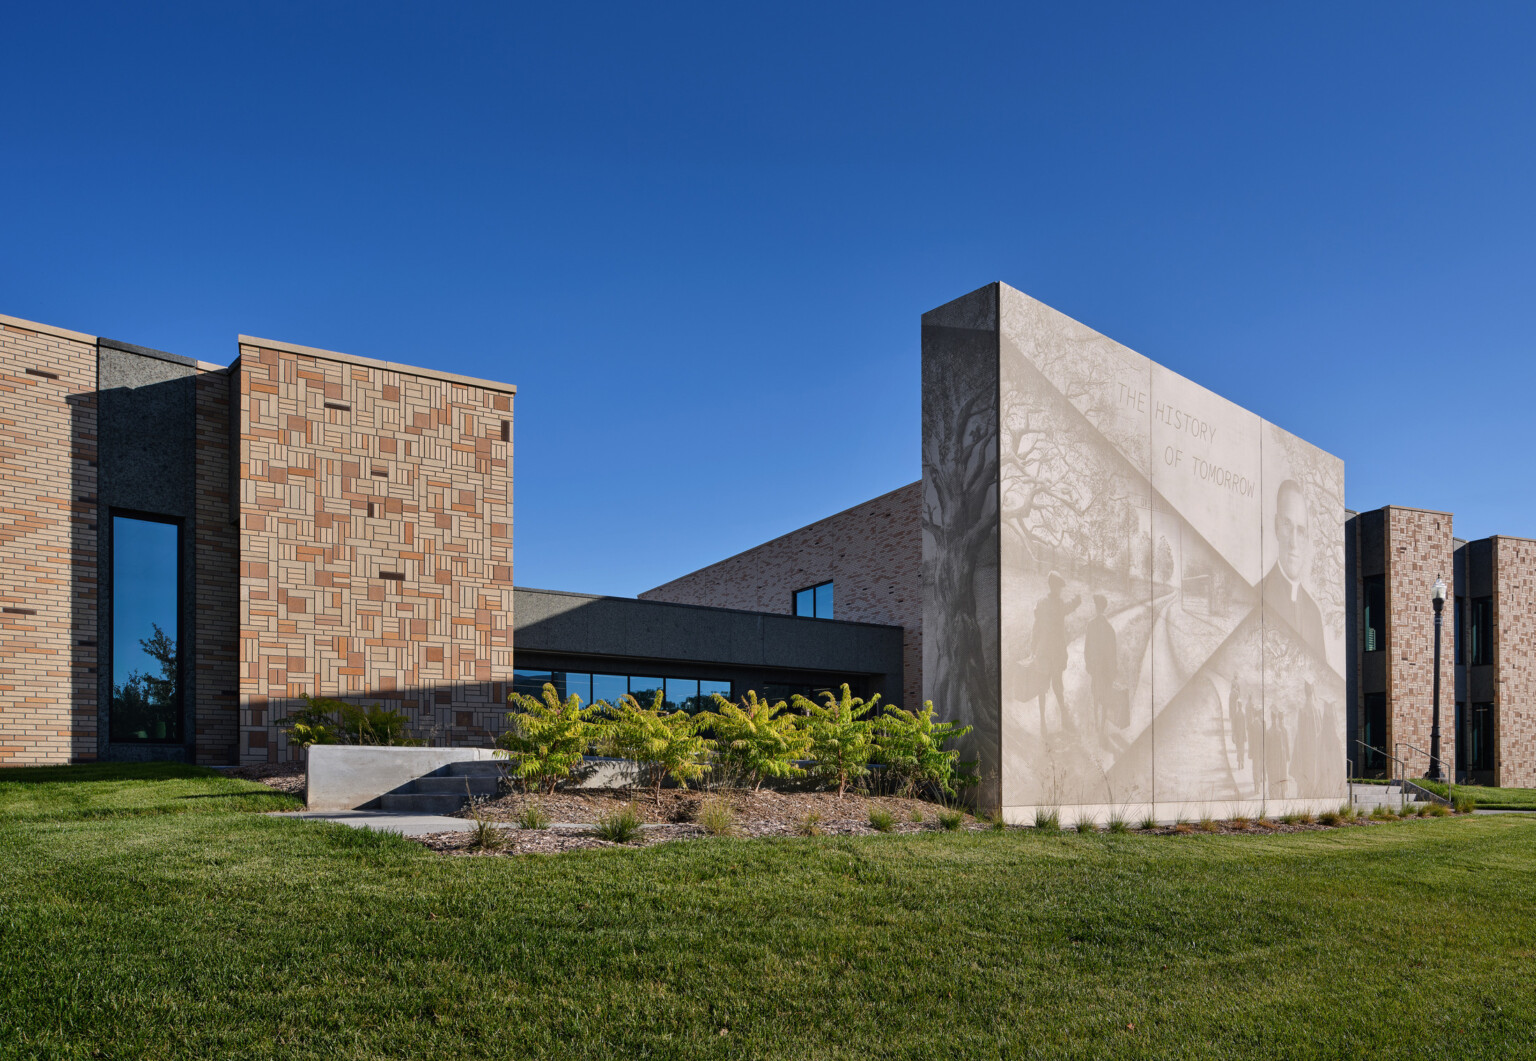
column 841, row 739
column 1047, row 819
column 881, row 820
column 1329, row 818
column 487, row 836
column 618, row 827
column 717, row 817
column 664, row 744
column 1086, row 825
column 810, row 825
column 532, row 816
column 949, row 820
column 758, row 740
column 547, row 738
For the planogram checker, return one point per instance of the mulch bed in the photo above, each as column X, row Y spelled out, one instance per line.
column 756, row 813
column 285, row 777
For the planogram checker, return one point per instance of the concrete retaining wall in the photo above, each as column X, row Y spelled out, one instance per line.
column 350, row 777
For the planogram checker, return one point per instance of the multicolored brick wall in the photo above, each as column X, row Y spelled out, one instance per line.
column 1419, row 549
column 872, row 553
column 47, row 545
column 375, row 543
column 1514, row 638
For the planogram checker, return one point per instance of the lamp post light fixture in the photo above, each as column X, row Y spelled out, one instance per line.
column 1435, row 771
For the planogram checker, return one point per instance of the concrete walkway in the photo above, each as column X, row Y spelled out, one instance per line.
column 383, row 821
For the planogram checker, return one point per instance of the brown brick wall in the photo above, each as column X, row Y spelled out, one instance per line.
column 1418, row 548
column 321, row 440
column 47, row 546
column 873, row 554
column 216, row 545
column 1514, row 640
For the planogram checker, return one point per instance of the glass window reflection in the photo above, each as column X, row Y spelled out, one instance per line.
column 146, row 593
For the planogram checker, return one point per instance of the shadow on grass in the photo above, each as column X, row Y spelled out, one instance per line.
column 86, row 773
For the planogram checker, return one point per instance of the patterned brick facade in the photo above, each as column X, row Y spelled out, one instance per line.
column 375, row 542
column 47, row 544
column 1514, row 639
column 872, row 553
column 1419, row 549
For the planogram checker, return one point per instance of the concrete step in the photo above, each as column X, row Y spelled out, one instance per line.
column 475, row 768
column 421, row 803
column 455, row 786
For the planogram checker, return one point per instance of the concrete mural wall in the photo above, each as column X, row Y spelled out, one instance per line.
column 1166, row 628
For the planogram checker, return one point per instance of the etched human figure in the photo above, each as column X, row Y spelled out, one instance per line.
column 1277, row 755
column 1254, row 708
column 1101, row 659
column 1237, row 718
column 1285, row 591
column 1049, row 641
column 1309, row 742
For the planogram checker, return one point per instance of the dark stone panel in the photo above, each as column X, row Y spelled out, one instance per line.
column 961, row 626
column 548, row 623
column 1480, row 568
column 147, row 424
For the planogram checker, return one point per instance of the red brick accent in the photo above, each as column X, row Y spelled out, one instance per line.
column 47, row 546
column 873, row 553
column 1514, row 640
column 317, row 615
column 1418, row 549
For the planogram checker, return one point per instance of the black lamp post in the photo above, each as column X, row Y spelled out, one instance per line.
column 1435, row 772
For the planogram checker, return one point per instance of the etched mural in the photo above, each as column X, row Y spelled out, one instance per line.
column 1171, row 611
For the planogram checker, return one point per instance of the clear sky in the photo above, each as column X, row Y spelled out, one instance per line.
column 699, row 237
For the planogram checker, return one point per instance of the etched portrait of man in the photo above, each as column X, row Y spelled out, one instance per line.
column 1285, row 587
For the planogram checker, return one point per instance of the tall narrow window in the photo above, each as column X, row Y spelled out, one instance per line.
column 1373, row 756
column 814, row 602
column 1480, row 632
column 146, row 592
column 1481, row 737
column 1375, row 613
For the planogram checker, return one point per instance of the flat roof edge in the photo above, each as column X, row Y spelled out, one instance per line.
column 696, row 607
column 46, row 329
column 370, row 362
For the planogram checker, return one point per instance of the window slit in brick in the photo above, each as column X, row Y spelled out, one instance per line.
column 341, row 406
column 19, row 611
column 506, row 430
column 393, row 576
column 370, row 510
column 40, row 372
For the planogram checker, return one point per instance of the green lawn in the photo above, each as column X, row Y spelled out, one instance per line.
column 161, row 918
column 1500, row 798
column 1487, row 798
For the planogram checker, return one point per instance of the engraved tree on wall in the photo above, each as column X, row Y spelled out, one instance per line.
column 960, row 513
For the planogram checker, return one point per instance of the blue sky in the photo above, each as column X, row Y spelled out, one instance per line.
column 699, row 237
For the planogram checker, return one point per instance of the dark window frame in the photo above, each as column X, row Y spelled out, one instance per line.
column 179, row 712
column 815, row 598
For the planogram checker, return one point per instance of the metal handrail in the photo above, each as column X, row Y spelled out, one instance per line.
column 1402, row 771
column 1404, row 744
